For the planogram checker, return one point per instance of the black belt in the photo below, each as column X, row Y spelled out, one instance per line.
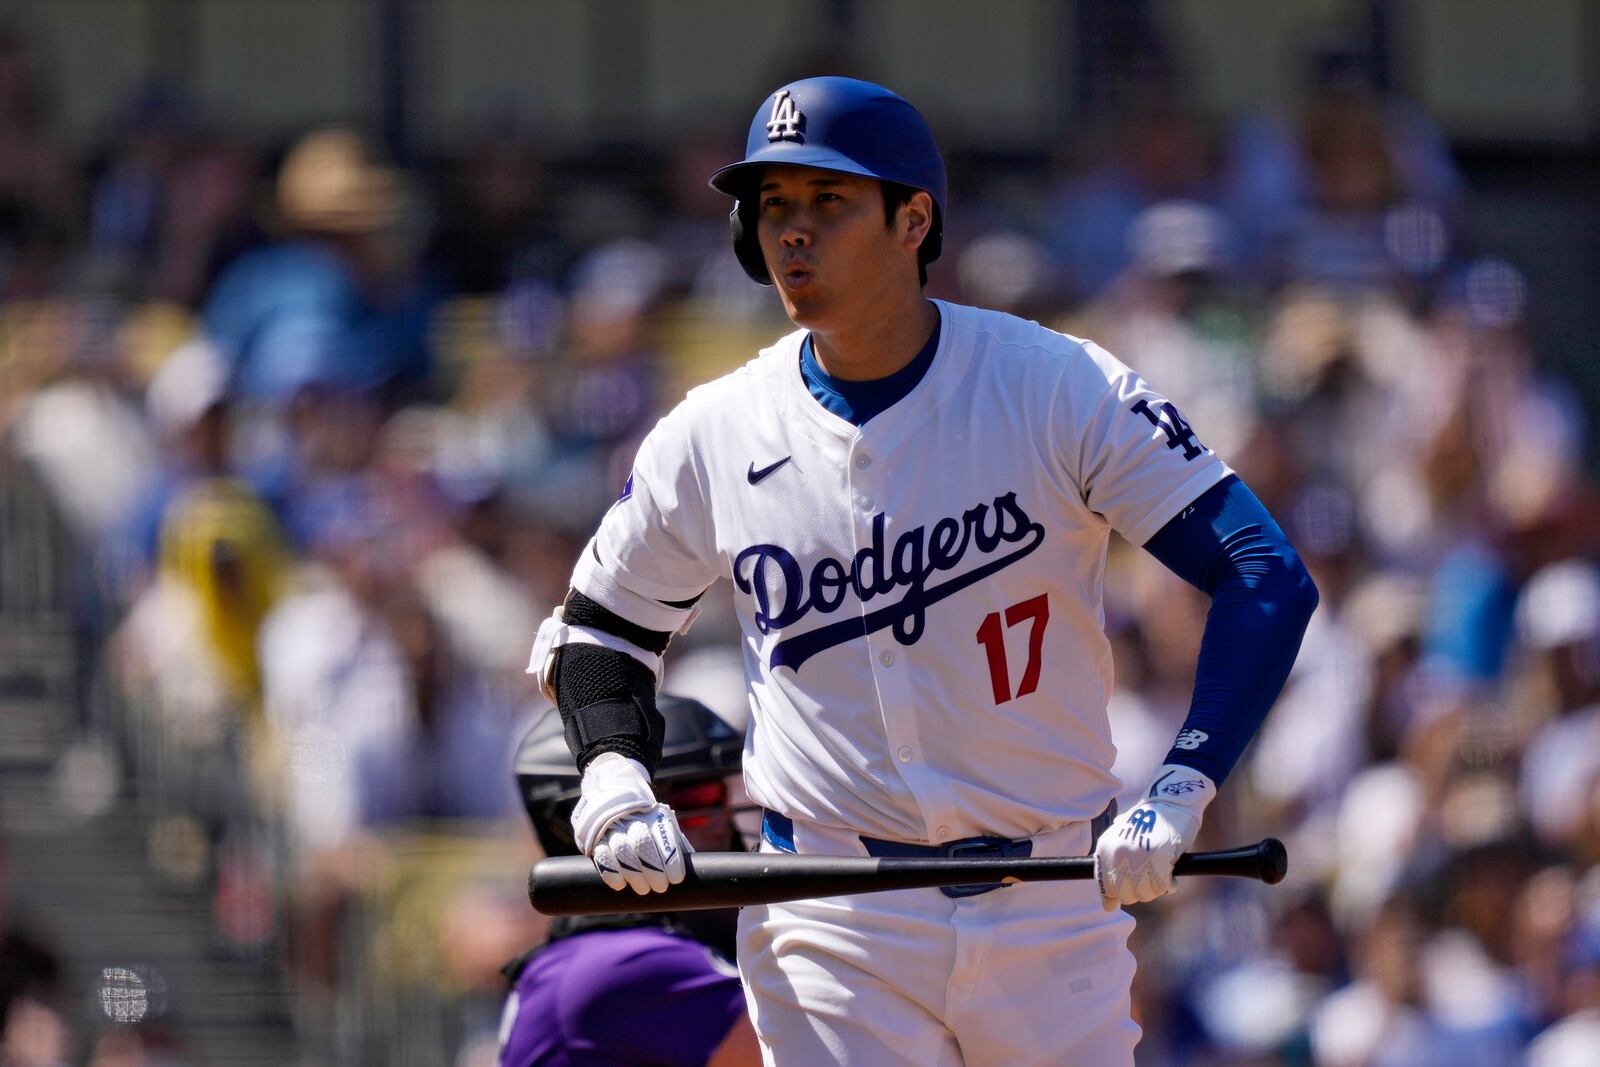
column 778, row 831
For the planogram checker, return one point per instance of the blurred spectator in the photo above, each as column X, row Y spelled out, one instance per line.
column 127, row 199
column 1159, row 153
column 78, row 425
column 1008, row 271
column 460, row 573
column 689, row 232
column 34, row 1036
column 314, row 451
column 695, row 232
column 38, row 184
column 1316, row 737
column 1384, row 1018
column 1174, row 317
column 340, row 706
column 494, row 216
column 172, row 203
column 1338, row 237
column 337, row 684
column 493, row 435
column 33, row 1032
column 603, row 390
column 185, row 657
column 1310, row 193
column 465, row 721
column 186, row 653
column 189, row 642
column 605, row 387
column 1573, row 1042
column 1329, row 366
column 1384, row 612
column 1496, row 450
column 1558, row 620
column 339, row 302
column 1498, row 434
column 377, row 721
column 1547, row 925
column 188, row 407
column 207, row 222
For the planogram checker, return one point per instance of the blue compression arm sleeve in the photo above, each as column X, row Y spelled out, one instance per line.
column 1227, row 545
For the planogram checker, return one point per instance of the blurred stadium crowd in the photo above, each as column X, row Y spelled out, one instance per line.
column 326, row 432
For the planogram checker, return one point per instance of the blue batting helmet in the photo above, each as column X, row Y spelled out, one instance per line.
column 838, row 124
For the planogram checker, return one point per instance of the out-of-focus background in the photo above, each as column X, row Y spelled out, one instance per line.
column 328, row 329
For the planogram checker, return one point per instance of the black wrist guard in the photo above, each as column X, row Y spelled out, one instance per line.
column 608, row 704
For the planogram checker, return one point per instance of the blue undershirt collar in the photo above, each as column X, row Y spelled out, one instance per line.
column 856, row 402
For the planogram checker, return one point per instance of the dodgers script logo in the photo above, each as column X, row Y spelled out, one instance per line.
column 784, row 594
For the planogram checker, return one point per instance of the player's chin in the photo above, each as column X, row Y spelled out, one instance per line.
column 803, row 309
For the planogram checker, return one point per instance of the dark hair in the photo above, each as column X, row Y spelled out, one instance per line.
column 894, row 196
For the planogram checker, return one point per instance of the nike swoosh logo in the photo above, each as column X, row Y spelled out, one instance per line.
column 756, row 475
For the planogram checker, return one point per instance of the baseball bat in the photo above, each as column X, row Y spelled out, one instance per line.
column 569, row 885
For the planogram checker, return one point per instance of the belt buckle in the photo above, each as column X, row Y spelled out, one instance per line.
column 975, row 849
column 992, row 847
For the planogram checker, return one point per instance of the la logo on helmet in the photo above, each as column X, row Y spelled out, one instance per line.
column 786, row 119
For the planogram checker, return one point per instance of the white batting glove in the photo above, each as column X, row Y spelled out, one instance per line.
column 633, row 839
column 1133, row 858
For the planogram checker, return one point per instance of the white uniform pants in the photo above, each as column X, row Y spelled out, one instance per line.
column 1030, row 975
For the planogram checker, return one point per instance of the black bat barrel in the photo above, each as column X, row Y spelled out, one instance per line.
column 569, row 885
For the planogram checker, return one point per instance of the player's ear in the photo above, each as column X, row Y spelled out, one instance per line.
column 917, row 214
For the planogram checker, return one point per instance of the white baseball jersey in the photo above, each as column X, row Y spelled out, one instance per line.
column 920, row 597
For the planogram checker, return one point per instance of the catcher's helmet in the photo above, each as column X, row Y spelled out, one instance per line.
column 837, row 124
column 697, row 745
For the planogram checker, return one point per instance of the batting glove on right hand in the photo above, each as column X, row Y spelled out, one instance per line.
column 633, row 839
column 1134, row 857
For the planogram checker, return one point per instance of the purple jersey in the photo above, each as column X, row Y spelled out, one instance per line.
column 609, row 998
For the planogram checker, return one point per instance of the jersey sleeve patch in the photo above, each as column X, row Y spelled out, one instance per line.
column 1138, row 460
column 1163, row 415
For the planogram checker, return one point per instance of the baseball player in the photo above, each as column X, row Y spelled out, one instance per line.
column 913, row 500
column 632, row 989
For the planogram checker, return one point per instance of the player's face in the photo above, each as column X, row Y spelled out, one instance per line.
column 833, row 259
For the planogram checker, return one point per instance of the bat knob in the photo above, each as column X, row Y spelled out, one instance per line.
column 1272, row 860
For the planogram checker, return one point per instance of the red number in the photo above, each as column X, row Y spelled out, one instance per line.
column 993, row 640
column 992, row 637
column 1038, row 609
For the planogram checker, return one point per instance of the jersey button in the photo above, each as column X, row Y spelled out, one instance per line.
column 866, row 503
column 886, row 658
column 904, row 754
column 863, row 461
column 943, row 833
